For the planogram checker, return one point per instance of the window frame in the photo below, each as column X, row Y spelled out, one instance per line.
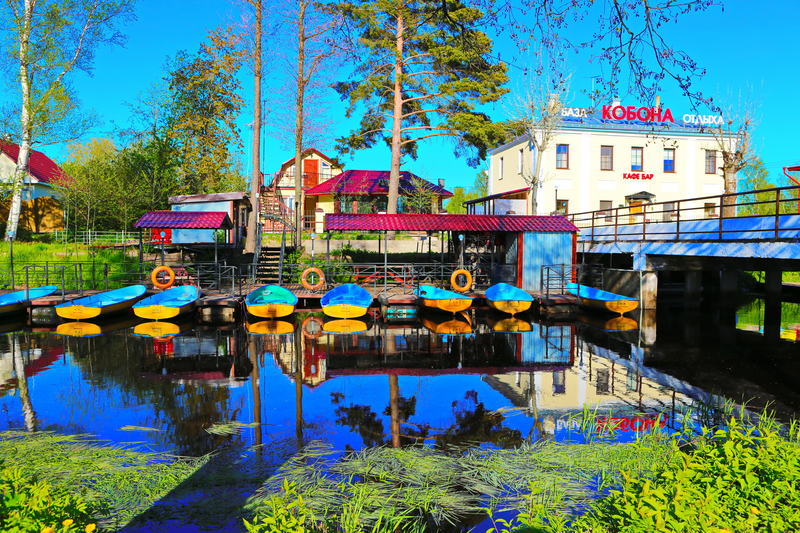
column 500, row 165
column 641, row 159
column 713, row 154
column 520, row 159
column 566, row 206
column 674, row 155
column 607, row 210
column 611, row 158
column 567, row 154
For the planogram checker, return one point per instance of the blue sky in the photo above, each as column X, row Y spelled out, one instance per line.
column 738, row 45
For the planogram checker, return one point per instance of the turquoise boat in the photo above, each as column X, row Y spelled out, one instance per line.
column 168, row 304
column 604, row 300
column 435, row 298
column 104, row 303
column 13, row 302
column 270, row 301
column 508, row 299
column 346, row 301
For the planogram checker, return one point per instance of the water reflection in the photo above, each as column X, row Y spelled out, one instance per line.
column 442, row 381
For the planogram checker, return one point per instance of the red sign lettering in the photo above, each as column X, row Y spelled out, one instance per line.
column 629, row 423
column 636, row 176
column 632, row 113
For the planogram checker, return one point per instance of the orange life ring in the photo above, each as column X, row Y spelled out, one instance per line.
column 318, row 285
column 307, row 334
column 454, row 280
column 170, row 280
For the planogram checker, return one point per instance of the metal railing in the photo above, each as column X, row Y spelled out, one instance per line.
column 287, row 179
column 554, row 278
column 697, row 218
column 96, row 237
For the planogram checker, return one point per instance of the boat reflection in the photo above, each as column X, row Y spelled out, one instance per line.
column 162, row 328
column 270, row 327
column 96, row 328
column 442, row 324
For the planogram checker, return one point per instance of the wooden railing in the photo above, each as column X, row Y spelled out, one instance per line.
column 678, row 220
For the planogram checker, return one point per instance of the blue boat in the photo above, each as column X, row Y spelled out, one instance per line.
column 13, row 301
column 508, row 299
column 104, row 303
column 435, row 298
column 168, row 304
column 599, row 299
column 270, row 301
column 346, row 301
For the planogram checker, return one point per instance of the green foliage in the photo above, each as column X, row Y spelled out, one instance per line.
column 446, row 67
column 479, row 189
column 733, row 479
column 284, row 514
column 33, row 505
column 419, row 196
column 756, row 177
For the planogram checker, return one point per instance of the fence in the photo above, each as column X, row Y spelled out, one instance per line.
column 681, row 218
column 96, row 237
column 554, row 278
column 94, row 275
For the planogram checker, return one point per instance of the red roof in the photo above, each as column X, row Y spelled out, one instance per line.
column 370, row 222
column 185, row 220
column 40, row 166
column 370, row 182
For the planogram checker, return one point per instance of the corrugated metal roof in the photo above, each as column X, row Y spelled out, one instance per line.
column 370, row 182
column 185, row 220
column 370, row 222
column 40, row 166
column 215, row 197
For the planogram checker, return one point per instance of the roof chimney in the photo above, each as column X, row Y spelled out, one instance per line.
column 441, row 183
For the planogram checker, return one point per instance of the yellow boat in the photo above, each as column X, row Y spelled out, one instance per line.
column 270, row 301
column 345, row 326
column 434, row 298
column 161, row 329
column 168, row 304
column 458, row 325
column 508, row 299
column 604, row 300
column 346, row 301
column 103, row 303
column 620, row 323
column 270, row 327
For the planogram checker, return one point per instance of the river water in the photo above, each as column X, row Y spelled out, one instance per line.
column 478, row 378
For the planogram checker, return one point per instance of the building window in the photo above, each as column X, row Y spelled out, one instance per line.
column 636, row 159
column 560, row 382
column 709, row 210
column 562, row 207
column 711, row 161
column 669, row 212
column 519, row 162
column 606, row 206
column 669, row 159
column 501, row 169
column 562, row 156
column 606, row 158
column 602, row 381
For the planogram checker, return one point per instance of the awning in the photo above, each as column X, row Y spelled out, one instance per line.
column 185, row 220
column 474, row 223
column 496, row 196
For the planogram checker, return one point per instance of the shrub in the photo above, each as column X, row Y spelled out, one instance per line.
column 31, row 505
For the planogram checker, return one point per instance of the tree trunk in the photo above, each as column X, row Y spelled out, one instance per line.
column 536, row 177
column 397, row 120
column 255, row 186
column 729, row 209
column 25, row 141
column 298, row 136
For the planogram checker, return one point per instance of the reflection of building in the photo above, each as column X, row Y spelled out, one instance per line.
column 41, row 211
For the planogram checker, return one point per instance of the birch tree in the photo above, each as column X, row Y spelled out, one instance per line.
column 53, row 39
column 423, row 69
column 535, row 110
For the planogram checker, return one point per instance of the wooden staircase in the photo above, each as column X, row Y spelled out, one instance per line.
column 274, row 214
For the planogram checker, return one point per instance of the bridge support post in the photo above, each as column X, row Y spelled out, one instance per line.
column 693, row 287
column 728, row 287
column 773, row 288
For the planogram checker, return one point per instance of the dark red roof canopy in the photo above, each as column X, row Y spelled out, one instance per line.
column 371, row 182
column 477, row 223
column 185, row 220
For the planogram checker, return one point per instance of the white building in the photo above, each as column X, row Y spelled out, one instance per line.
column 616, row 156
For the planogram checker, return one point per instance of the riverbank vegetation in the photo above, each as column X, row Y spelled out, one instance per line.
column 732, row 477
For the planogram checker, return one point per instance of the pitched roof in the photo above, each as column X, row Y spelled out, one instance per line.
column 185, row 220
column 289, row 162
column 370, row 222
column 40, row 166
column 495, row 196
column 370, row 182
column 214, row 197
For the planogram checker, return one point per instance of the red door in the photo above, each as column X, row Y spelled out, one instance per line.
column 311, row 170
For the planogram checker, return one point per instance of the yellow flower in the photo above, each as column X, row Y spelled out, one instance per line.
column 48, row 530
column 68, row 522
column 754, row 510
column 90, row 528
column 723, row 530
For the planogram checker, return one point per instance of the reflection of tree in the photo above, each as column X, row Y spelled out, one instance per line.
column 473, row 423
column 22, row 384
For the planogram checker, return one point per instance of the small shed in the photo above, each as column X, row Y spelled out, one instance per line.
column 518, row 245
column 235, row 204
column 175, row 221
